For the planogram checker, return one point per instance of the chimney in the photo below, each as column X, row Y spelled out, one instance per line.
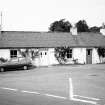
column 73, row 30
column 102, row 30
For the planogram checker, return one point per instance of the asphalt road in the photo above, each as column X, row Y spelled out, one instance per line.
column 21, row 87
column 18, row 98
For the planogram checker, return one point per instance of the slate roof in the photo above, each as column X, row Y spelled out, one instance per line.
column 17, row 39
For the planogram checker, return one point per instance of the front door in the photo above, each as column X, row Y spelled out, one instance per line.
column 89, row 56
column 44, row 58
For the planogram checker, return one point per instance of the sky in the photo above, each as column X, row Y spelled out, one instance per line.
column 37, row 15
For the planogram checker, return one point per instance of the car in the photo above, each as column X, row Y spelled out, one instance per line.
column 15, row 63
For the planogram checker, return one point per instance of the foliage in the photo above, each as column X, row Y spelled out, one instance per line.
column 94, row 29
column 101, row 52
column 60, row 54
column 24, row 53
column 28, row 52
column 82, row 26
column 60, row 26
column 34, row 54
column 3, row 60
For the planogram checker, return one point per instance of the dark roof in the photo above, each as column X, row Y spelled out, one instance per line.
column 15, row 39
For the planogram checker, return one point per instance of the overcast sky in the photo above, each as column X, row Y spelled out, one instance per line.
column 37, row 15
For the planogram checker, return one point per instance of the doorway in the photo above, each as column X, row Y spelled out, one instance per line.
column 89, row 56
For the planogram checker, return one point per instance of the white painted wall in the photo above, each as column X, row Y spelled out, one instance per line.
column 5, row 53
column 51, row 56
column 95, row 56
column 50, row 59
column 80, row 54
column 45, row 59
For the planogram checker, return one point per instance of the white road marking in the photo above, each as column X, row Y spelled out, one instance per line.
column 70, row 89
column 9, row 89
column 50, row 95
column 88, row 97
column 71, row 94
column 32, row 92
column 92, row 102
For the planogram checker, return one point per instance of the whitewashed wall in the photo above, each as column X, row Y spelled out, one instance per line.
column 45, row 59
column 50, row 59
column 51, row 56
column 5, row 53
column 80, row 55
column 95, row 56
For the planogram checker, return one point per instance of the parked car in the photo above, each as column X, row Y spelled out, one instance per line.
column 15, row 63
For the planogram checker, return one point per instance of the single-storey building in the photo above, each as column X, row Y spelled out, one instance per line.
column 83, row 47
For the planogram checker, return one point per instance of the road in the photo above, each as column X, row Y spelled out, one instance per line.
column 49, row 86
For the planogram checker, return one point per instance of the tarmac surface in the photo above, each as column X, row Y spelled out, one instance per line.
column 51, row 86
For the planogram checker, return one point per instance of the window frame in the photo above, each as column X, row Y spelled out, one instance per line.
column 69, row 53
column 13, row 53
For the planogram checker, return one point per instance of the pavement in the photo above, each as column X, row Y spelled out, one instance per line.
column 51, row 86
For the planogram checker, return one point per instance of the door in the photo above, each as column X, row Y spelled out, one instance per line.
column 89, row 56
column 44, row 58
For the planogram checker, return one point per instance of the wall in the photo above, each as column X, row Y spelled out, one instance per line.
column 49, row 58
column 95, row 56
column 5, row 53
column 46, row 57
column 80, row 55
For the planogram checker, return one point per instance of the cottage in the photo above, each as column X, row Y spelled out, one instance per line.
column 41, row 46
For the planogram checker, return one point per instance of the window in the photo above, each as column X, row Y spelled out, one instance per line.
column 69, row 53
column 45, row 53
column 13, row 53
column 88, row 51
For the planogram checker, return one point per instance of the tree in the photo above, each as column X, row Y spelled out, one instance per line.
column 60, row 26
column 82, row 26
column 94, row 29
column 101, row 51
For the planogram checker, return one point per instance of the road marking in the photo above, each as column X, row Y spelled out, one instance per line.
column 71, row 94
column 32, row 92
column 50, row 95
column 88, row 97
column 92, row 102
column 70, row 89
column 9, row 89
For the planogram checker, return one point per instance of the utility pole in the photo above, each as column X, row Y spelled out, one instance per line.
column 1, row 22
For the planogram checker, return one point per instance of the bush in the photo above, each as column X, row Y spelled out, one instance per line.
column 60, row 54
column 3, row 60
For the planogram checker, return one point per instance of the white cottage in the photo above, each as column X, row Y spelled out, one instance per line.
column 82, row 46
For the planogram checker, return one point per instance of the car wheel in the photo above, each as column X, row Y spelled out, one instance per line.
column 2, row 69
column 25, row 67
